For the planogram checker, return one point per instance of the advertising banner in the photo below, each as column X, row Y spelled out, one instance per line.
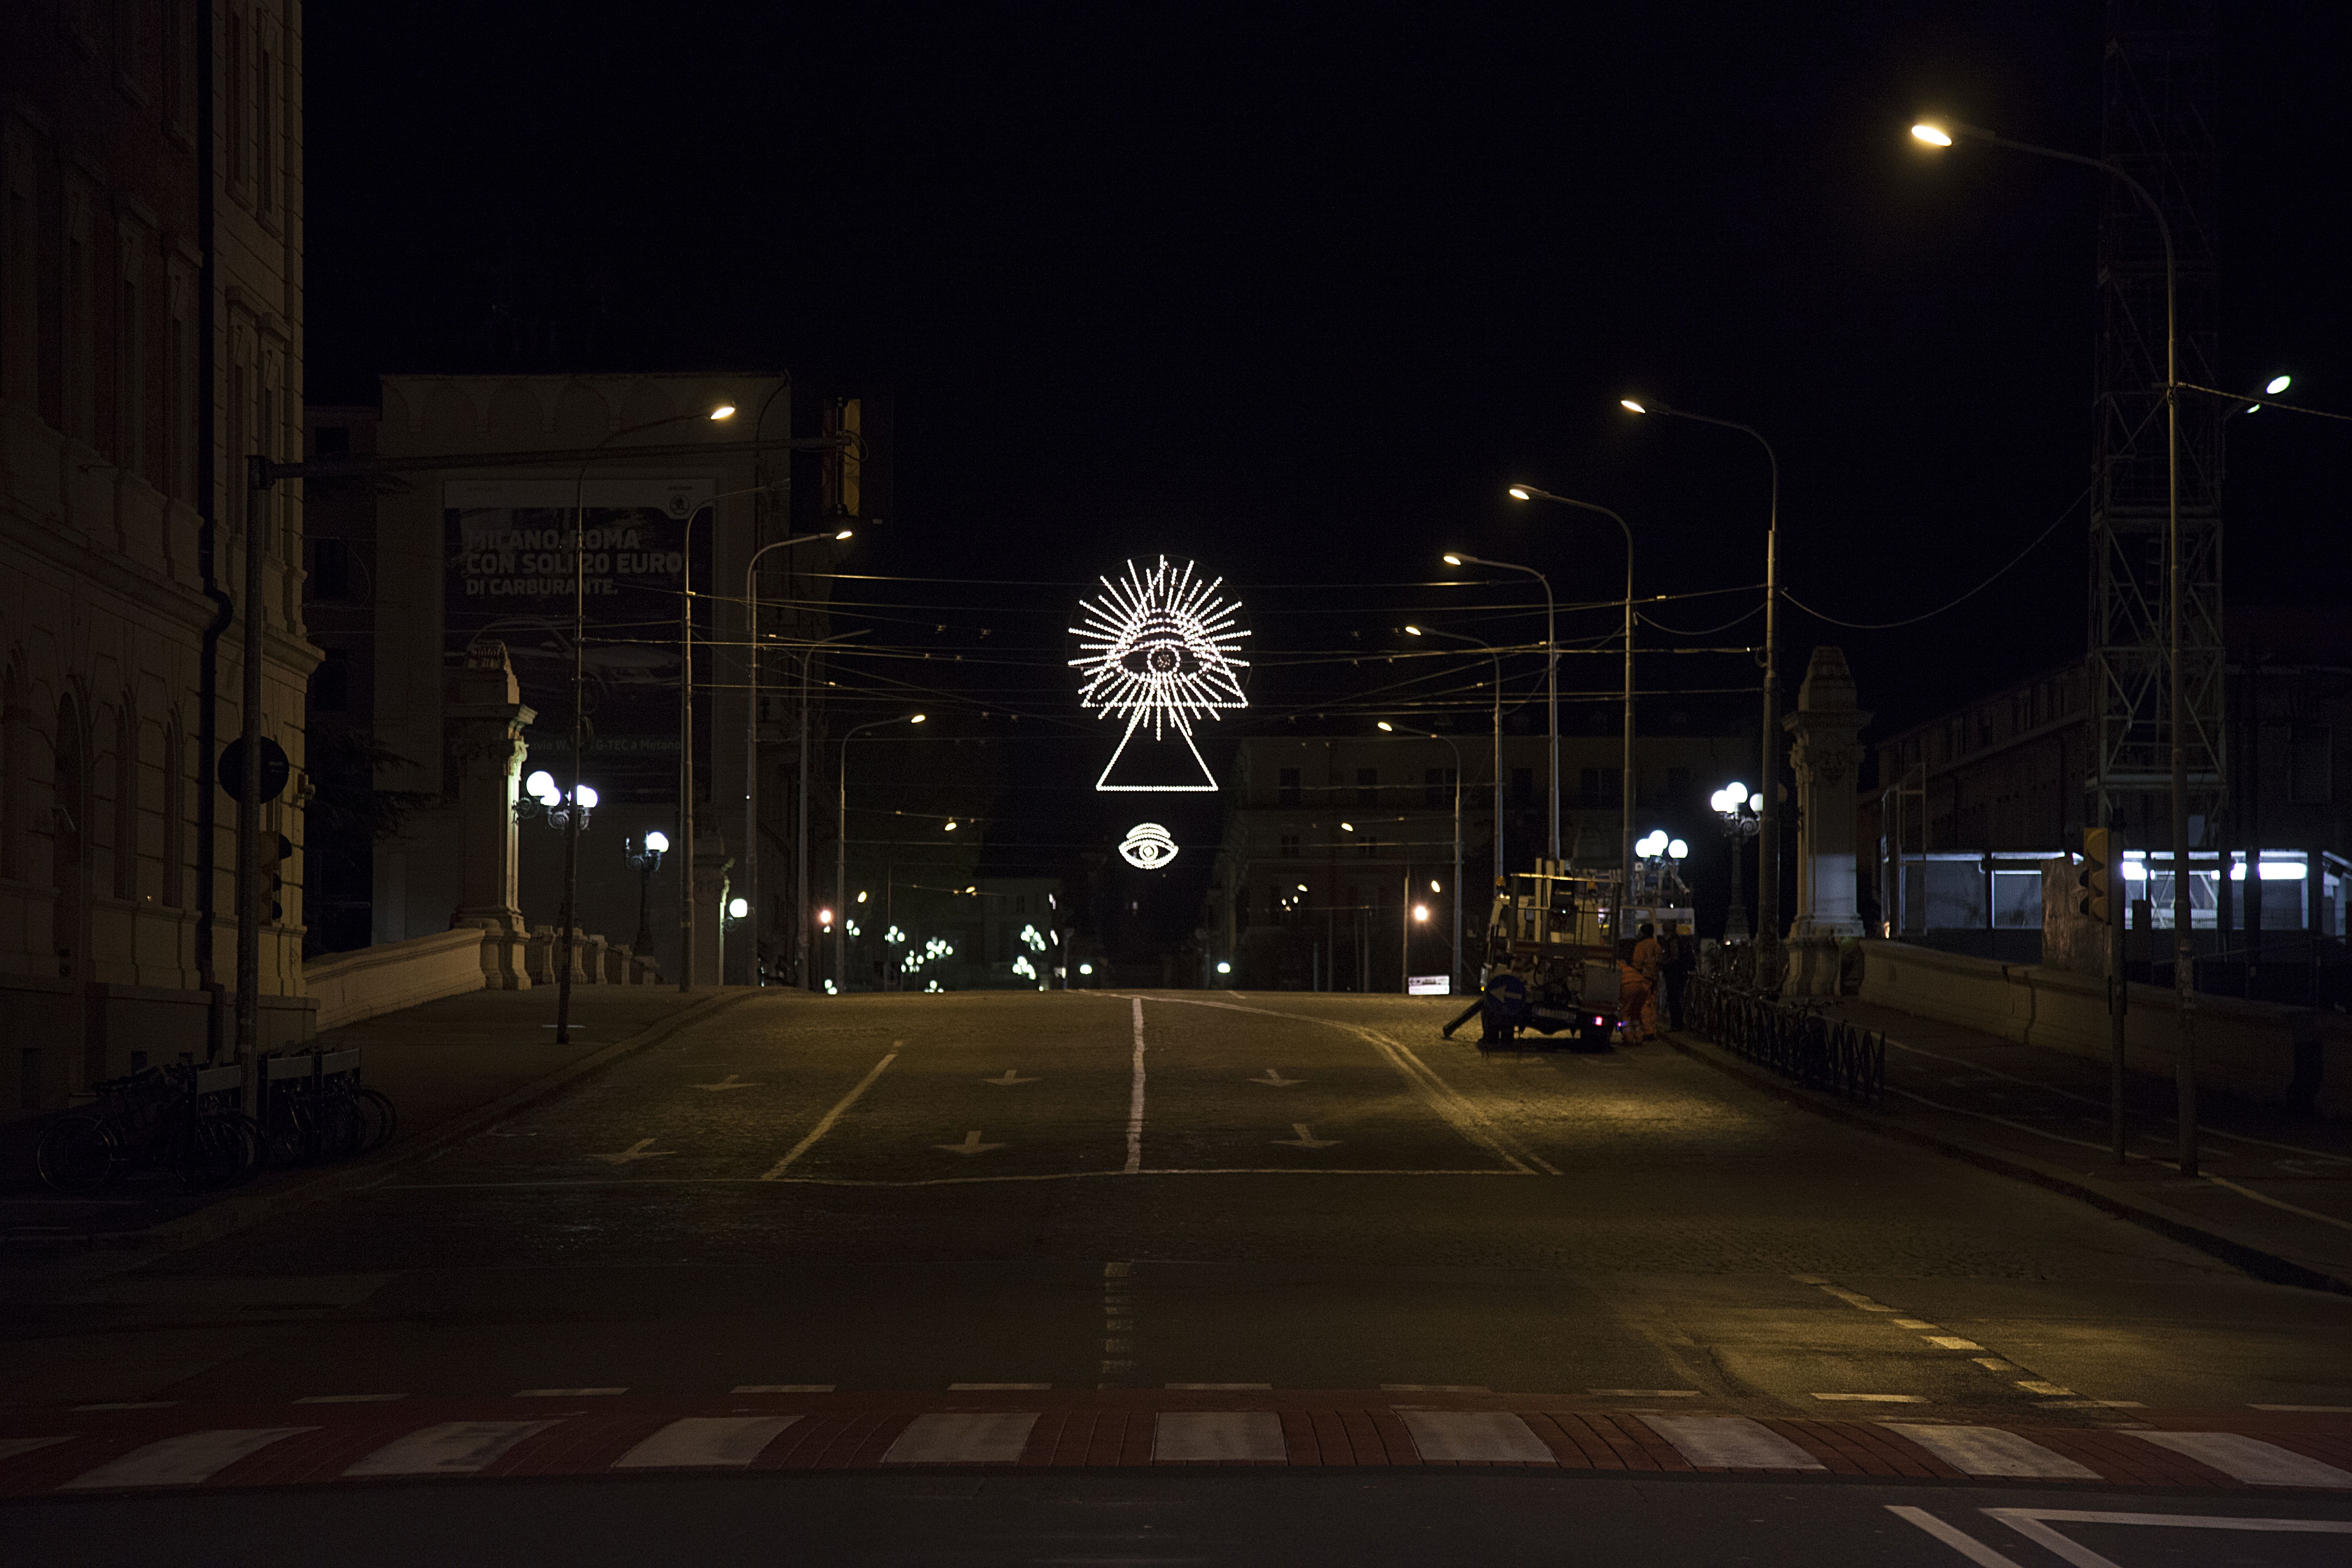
column 509, row 553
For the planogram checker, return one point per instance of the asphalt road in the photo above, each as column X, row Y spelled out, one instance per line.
column 1088, row 1191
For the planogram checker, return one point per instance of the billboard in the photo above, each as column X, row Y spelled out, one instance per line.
column 509, row 577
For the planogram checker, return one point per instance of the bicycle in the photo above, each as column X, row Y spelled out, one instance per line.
column 177, row 1119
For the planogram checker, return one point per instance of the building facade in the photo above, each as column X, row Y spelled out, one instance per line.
column 150, row 340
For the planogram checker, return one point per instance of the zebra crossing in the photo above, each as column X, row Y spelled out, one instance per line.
column 376, row 1444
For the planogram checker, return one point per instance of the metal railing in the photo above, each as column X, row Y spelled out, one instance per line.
column 1795, row 1039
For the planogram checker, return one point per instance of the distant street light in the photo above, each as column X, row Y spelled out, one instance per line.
column 841, row 845
column 645, row 859
column 1551, row 669
column 1733, row 806
column 1767, row 821
column 1387, row 728
column 1625, row 804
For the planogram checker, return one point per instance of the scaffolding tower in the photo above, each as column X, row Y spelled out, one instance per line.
column 2158, row 128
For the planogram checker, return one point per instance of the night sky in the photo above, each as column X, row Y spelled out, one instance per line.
column 1297, row 291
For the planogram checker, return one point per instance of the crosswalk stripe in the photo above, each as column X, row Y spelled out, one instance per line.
column 1475, row 1437
column 451, row 1448
column 963, row 1438
column 1990, row 1451
column 1731, row 1442
column 183, row 1461
column 1218, row 1435
column 12, row 1447
column 2250, row 1459
column 700, row 1440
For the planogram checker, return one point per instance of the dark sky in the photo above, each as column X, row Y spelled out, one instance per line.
column 1298, row 289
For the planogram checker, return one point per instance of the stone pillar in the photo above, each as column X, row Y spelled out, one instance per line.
column 1825, row 753
column 592, row 962
column 711, row 866
column 489, row 717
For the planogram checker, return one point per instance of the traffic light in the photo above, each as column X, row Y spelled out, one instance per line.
column 2095, row 878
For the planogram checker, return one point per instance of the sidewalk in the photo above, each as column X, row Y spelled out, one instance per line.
column 2274, row 1194
column 446, row 1065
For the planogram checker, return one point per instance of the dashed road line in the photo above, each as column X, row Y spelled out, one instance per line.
column 186, row 1461
column 1135, row 1097
column 2250, row 1459
column 1730, row 1442
column 449, row 1448
column 705, row 1442
column 1990, row 1451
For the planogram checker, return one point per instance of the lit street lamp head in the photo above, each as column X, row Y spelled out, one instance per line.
column 658, row 841
column 844, row 533
column 2277, row 385
column 723, row 411
column 1385, row 727
column 1452, row 559
column 1412, row 631
column 1520, row 493
column 1932, row 134
column 1632, row 405
column 915, row 718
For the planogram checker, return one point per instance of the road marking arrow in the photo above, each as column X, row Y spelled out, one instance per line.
column 1306, row 1139
column 731, row 1081
column 1008, row 1081
column 643, row 1149
column 1275, row 1078
column 971, row 1145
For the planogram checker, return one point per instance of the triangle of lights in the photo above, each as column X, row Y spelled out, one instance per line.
column 1159, row 646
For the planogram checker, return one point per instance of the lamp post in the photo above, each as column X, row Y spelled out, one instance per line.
column 841, row 852
column 752, row 751
column 1625, row 791
column 1735, row 809
column 2184, row 973
column 1551, row 670
column 579, row 730
column 1767, row 820
column 1387, row 728
column 644, row 860
column 1495, row 654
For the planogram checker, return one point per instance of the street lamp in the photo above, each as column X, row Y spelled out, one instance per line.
column 1388, row 729
column 1551, row 670
column 1495, row 654
column 1934, row 133
column 1767, row 821
column 1625, row 792
column 841, row 847
column 644, row 860
column 1742, row 819
column 751, row 755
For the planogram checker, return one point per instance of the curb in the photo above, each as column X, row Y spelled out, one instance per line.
column 2254, row 1259
column 233, row 1214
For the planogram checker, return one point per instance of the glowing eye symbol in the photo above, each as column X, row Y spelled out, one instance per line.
column 1148, row 847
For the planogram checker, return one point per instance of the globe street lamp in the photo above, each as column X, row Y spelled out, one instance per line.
column 1625, row 792
column 1742, row 818
column 840, row 849
column 751, row 753
column 644, row 860
column 1551, row 670
column 1387, row 728
column 1941, row 134
column 1495, row 654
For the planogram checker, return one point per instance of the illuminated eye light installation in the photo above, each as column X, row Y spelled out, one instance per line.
column 1159, row 645
column 1148, row 847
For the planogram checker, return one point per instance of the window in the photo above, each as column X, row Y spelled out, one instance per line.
column 1290, row 846
column 330, row 570
column 1437, row 789
column 2308, row 770
column 1523, row 786
column 1286, row 790
column 1368, row 786
column 331, row 683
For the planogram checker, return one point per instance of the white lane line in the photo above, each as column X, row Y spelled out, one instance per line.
column 1951, row 1342
column 643, row 1149
column 348, row 1398
column 2250, row 1459
column 1856, row 1299
column 1135, row 1099
column 1008, row 1081
column 986, row 1387
column 840, row 1107
column 451, row 1448
column 1450, row 1106
column 1304, row 1138
column 12, row 1447
column 1958, row 1540
column 1475, row 1438
column 964, row 1438
column 705, row 1441
column 971, row 1145
column 1246, row 1435
column 2044, row 1387
column 1645, row 1393
column 567, row 1392
column 1731, row 1442
column 782, row 1388
column 1990, row 1451
column 925, row 1182
column 182, row 1461
column 2032, row 1525
column 1875, row 1398
column 732, row 1081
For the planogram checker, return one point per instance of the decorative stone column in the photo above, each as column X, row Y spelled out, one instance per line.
column 489, row 717
column 1825, row 753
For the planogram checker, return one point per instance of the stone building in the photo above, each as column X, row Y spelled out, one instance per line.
column 151, row 339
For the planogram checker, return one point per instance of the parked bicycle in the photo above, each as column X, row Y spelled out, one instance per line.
column 314, row 1108
column 181, row 1120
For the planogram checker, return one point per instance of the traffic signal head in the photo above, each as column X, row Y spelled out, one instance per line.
column 2095, row 878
